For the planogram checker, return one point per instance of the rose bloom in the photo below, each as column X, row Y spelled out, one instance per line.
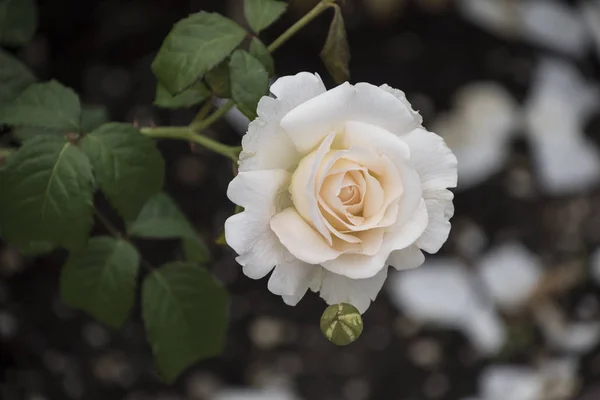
column 337, row 185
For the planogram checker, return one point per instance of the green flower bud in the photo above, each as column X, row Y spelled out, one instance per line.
column 341, row 324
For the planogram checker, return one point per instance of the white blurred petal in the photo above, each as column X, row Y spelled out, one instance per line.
column 572, row 337
column 547, row 23
column 478, row 130
column 554, row 25
column 590, row 12
column 595, row 266
column 436, row 292
column 510, row 273
column 484, row 327
column 441, row 292
column 565, row 160
column 511, row 382
column 275, row 393
column 498, row 16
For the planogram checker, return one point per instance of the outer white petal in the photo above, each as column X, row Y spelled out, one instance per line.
column 248, row 232
column 291, row 278
column 440, row 209
column 400, row 95
column 265, row 145
column 432, row 159
column 375, row 139
column 310, row 122
column 294, row 90
column 336, row 289
column 408, row 258
column 300, row 238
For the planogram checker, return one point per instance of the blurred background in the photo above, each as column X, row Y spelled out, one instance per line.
column 508, row 310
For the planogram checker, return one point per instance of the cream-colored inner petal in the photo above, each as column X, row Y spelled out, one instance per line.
column 358, row 192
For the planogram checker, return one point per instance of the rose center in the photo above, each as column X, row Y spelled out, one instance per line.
column 348, row 194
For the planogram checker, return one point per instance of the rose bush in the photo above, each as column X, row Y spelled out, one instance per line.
column 337, row 185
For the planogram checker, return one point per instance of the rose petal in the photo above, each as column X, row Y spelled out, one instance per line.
column 374, row 197
column 371, row 241
column 294, row 90
column 408, row 258
column 412, row 193
column 290, row 278
column 399, row 94
column 336, row 289
column 358, row 266
column 400, row 236
column 432, row 159
column 248, row 232
column 300, row 238
column 309, row 123
column 331, row 186
column 375, row 139
column 265, row 145
column 440, row 209
column 304, row 188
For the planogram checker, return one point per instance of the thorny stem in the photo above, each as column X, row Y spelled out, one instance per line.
column 192, row 132
column 119, row 235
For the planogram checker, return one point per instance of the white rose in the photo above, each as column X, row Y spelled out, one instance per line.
column 337, row 185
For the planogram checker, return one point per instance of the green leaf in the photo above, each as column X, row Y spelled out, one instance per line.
column 14, row 77
column 185, row 314
column 218, row 80
column 37, row 248
column 161, row 218
column 195, row 45
column 91, row 118
column 100, row 279
column 189, row 97
column 18, row 19
column 44, row 105
column 46, row 195
column 195, row 250
column 127, row 165
column 259, row 51
column 262, row 13
column 336, row 53
column 249, row 82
